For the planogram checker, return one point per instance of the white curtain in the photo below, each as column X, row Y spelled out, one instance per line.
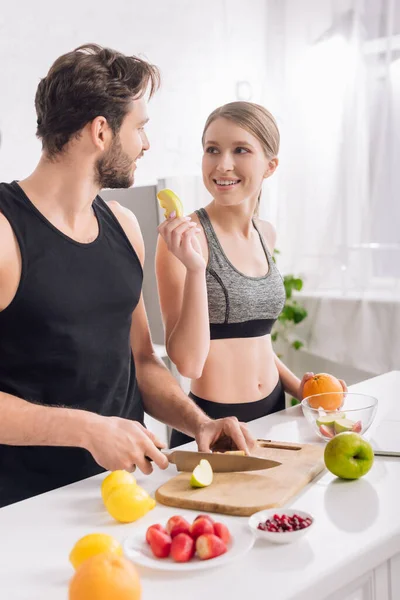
column 334, row 84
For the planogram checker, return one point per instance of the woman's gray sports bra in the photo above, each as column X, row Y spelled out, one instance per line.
column 238, row 305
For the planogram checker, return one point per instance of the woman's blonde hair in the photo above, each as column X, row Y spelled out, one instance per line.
column 253, row 117
column 256, row 119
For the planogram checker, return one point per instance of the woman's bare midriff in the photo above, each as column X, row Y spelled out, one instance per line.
column 238, row 370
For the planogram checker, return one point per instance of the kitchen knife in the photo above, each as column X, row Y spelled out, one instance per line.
column 185, row 460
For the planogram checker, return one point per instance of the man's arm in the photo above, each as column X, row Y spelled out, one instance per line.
column 23, row 423
column 114, row 443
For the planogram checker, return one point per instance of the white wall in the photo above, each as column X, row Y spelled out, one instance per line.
column 202, row 47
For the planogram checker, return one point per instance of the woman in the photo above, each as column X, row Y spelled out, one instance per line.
column 220, row 291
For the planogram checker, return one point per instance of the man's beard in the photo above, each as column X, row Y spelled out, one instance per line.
column 114, row 169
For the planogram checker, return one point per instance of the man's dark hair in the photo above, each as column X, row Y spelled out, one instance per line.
column 88, row 82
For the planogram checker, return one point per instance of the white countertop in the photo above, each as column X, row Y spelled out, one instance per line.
column 356, row 528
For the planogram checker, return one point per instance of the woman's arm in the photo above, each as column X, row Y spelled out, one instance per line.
column 291, row 383
column 181, row 278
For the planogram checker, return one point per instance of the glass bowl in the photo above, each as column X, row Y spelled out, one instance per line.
column 355, row 412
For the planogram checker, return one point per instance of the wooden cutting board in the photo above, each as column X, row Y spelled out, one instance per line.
column 245, row 493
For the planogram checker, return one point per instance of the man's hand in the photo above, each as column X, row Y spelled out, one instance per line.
column 230, row 429
column 117, row 443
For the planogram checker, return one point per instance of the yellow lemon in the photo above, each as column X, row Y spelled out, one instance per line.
column 91, row 545
column 127, row 503
column 113, row 480
column 170, row 202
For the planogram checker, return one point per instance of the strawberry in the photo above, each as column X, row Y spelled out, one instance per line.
column 222, row 532
column 156, row 526
column 205, row 517
column 181, row 527
column 175, row 521
column 209, row 546
column 200, row 527
column 182, row 547
column 160, row 543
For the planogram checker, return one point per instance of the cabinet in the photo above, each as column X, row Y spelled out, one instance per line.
column 374, row 585
column 394, row 577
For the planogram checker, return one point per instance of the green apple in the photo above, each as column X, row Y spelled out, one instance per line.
column 348, row 455
column 202, row 475
column 330, row 418
column 341, row 425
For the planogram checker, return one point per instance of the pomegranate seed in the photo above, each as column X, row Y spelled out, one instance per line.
column 282, row 523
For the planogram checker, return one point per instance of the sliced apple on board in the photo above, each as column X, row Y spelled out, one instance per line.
column 202, row 475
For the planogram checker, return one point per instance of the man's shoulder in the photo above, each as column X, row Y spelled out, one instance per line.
column 121, row 212
column 130, row 225
column 7, row 190
column 5, row 227
column 10, row 197
column 8, row 244
column 7, row 195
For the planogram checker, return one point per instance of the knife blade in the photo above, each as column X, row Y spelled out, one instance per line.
column 185, row 460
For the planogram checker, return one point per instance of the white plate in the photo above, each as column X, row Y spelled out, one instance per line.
column 138, row 551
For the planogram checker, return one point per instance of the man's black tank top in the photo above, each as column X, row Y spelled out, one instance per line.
column 65, row 337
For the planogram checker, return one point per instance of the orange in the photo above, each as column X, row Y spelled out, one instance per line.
column 323, row 383
column 92, row 544
column 103, row 577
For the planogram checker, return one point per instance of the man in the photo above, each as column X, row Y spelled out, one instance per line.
column 77, row 366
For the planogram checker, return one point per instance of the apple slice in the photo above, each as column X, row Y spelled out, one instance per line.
column 327, row 431
column 341, row 425
column 357, row 427
column 202, row 475
column 330, row 419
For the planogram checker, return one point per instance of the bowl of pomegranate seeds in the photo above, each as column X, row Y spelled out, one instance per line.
column 281, row 526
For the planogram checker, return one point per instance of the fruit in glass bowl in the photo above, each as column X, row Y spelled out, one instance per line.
column 356, row 413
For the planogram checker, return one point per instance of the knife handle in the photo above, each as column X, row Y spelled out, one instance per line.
column 168, row 454
column 278, row 445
